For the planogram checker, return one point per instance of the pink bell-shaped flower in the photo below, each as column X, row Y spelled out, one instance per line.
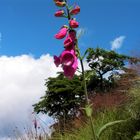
column 67, row 57
column 57, row 61
column 69, row 71
column 72, row 34
column 70, row 40
column 73, row 23
column 62, row 33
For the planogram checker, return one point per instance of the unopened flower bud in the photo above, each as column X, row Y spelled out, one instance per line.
column 59, row 13
column 60, row 4
column 75, row 11
column 73, row 23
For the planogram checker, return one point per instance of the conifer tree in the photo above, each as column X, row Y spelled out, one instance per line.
column 63, row 97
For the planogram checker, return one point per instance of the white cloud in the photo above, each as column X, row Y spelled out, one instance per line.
column 117, row 42
column 22, row 80
column 81, row 32
column 86, row 67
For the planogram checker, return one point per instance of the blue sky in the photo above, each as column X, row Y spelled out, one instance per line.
column 28, row 26
column 27, row 44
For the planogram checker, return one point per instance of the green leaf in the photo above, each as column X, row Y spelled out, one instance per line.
column 85, row 54
column 88, row 110
column 137, row 136
column 108, row 125
column 71, row 7
column 89, row 74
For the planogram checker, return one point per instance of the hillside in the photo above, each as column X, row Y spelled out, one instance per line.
column 120, row 103
column 118, row 95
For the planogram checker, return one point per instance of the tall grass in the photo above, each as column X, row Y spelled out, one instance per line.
column 128, row 130
column 130, row 112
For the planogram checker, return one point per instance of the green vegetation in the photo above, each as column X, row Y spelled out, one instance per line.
column 63, row 97
column 102, row 61
column 116, row 119
column 124, row 131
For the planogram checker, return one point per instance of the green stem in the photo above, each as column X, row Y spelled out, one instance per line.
column 68, row 12
column 86, row 96
column 93, row 130
column 85, row 85
column 83, row 74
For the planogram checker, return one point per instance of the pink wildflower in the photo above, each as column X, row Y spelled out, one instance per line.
column 62, row 33
column 70, row 40
column 72, row 34
column 57, row 60
column 69, row 71
column 73, row 23
column 67, row 58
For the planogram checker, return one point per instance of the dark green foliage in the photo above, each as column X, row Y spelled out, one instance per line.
column 130, row 110
column 63, row 97
column 137, row 136
column 102, row 62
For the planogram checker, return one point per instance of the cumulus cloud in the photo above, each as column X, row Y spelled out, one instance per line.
column 117, row 42
column 22, row 81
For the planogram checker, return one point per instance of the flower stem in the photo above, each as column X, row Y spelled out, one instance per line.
column 68, row 12
column 85, row 85
column 87, row 99
column 83, row 75
column 85, row 91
